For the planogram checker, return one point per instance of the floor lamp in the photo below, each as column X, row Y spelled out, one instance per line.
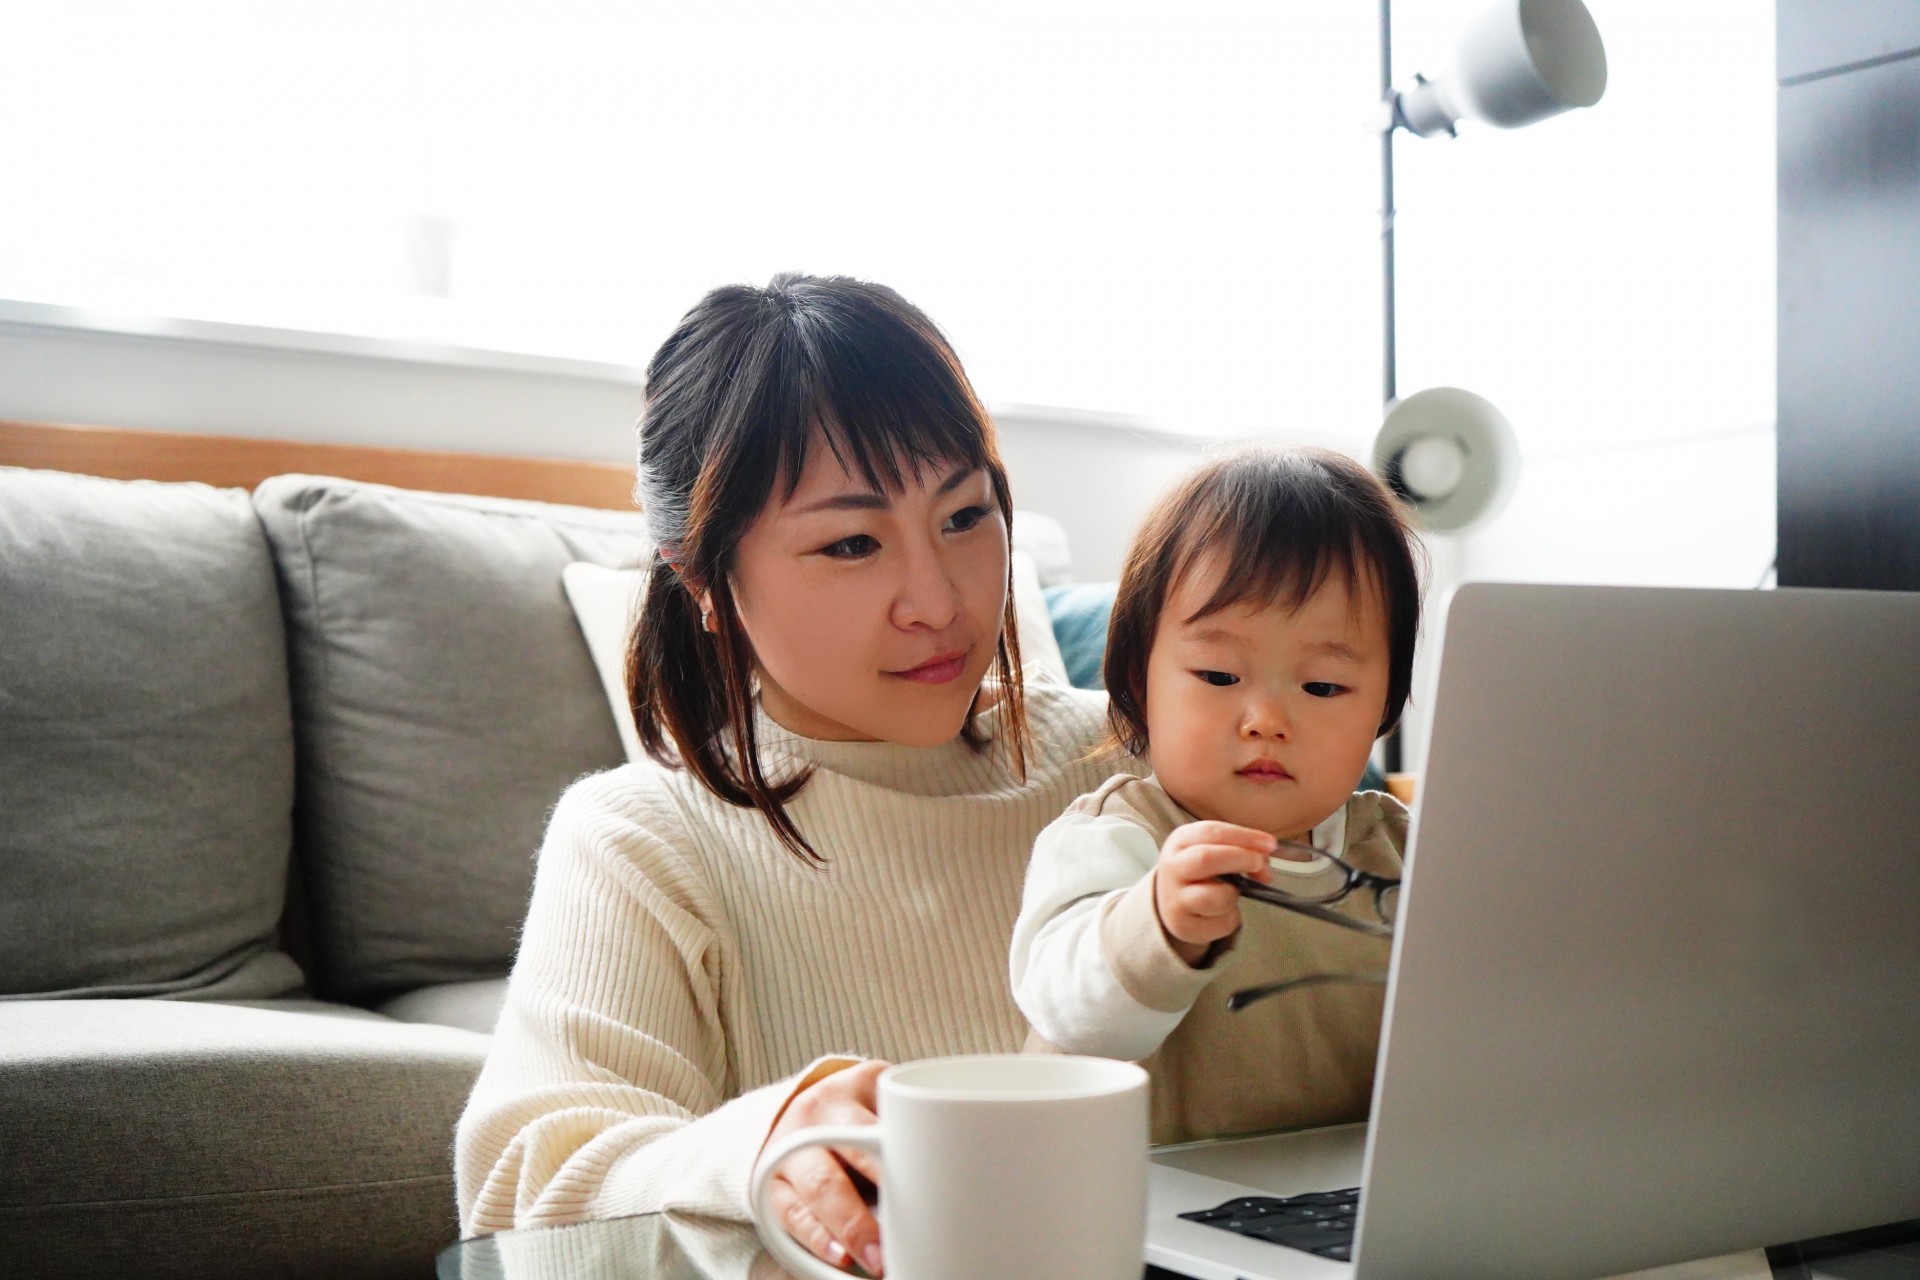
column 1447, row 453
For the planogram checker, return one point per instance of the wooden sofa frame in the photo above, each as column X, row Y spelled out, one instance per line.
column 235, row 462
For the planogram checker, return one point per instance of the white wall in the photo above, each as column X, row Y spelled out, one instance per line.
column 1095, row 473
column 1686, row 511
column 229, row 380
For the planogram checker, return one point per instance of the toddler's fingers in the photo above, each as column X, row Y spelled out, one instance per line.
column 1208, row 900
column 1210, row 831
column 1199, row 862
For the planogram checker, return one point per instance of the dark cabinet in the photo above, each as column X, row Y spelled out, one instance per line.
column 1849, row 293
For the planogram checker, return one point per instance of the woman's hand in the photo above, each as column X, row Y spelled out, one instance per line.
column 812, row 1192
column 1196, row 907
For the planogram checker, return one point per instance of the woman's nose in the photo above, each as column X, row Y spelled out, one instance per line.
column 927, row 595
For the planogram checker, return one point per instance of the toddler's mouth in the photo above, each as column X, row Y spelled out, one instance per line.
column 1265, row 771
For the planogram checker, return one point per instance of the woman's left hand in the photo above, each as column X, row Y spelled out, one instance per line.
column 811, row 1191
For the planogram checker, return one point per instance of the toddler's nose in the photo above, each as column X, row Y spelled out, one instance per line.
column 1265, row 720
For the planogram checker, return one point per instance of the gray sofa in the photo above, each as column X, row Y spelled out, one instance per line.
column 273, row 771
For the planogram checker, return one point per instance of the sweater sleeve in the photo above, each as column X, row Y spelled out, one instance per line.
column 1092, row 969
column 607, row 1088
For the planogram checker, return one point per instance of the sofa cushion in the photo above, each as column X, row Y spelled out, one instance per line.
column 161, row 1139
column 1080, row 613
column 146, row 752
column 443, row 699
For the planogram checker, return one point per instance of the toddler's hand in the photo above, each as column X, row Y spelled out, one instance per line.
column 1196, row 907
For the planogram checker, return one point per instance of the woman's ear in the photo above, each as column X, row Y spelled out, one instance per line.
column 703, row 598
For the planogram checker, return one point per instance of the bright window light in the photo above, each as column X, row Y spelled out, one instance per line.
column 1158, row 210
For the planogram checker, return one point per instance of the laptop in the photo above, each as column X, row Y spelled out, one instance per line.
column 1655, row 994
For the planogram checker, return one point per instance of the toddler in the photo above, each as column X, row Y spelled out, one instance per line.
column 1262, row 638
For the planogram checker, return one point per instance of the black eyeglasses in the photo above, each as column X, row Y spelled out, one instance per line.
column 1318, row 903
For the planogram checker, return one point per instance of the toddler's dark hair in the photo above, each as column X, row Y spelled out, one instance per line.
column 1284, row 520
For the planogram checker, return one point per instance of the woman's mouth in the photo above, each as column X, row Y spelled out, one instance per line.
column 1265, row 771
column 936, row 670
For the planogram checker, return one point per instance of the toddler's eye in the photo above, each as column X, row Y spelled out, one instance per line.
column 856, row 547
column 1320, row 689
column 1219, row 678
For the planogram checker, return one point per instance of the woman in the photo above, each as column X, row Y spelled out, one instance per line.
column 822, row 870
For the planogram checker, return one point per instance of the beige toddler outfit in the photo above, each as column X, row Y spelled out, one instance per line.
column 1095, row 972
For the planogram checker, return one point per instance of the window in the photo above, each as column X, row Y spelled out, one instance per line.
column 1159, row 210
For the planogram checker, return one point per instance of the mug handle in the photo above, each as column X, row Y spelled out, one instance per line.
column 773, row 1233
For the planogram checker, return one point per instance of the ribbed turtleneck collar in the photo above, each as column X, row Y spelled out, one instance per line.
column 950, row 769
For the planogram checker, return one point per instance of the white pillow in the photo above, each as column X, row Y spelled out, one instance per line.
column 606, row 602
column 1040, row 656
column 1045, row 539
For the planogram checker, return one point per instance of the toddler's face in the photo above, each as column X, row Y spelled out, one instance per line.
column 1263, row 717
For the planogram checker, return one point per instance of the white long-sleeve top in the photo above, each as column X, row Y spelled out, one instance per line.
column 1094, row 971
column 681, row 975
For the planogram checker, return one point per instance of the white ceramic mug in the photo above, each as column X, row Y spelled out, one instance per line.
column 998, row 1165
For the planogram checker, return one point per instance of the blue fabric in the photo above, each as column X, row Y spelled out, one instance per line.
column 1080, row 611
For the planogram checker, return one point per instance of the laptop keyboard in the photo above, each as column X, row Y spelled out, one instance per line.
column 1320, row 1223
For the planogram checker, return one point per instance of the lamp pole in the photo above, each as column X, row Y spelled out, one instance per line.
column 1519, row 62
column 1389, row 391
column 1390, row 750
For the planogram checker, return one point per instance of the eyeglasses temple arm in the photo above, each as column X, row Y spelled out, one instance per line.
column 1241, row 999
column 1273, row 897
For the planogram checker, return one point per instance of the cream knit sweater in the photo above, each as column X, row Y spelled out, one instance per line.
column 681, row 975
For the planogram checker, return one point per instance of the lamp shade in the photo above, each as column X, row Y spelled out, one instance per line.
column 1450, row 456
column 1518, row 62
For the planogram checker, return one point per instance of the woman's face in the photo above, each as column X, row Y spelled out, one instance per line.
column 873, row 615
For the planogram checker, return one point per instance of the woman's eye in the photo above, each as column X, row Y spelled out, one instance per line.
column 856, row 547
column 1320, row 689
column 1219, row 678
column 966, row 518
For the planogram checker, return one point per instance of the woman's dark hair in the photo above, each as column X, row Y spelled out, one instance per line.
column 734, row 397
column 1283, row 520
